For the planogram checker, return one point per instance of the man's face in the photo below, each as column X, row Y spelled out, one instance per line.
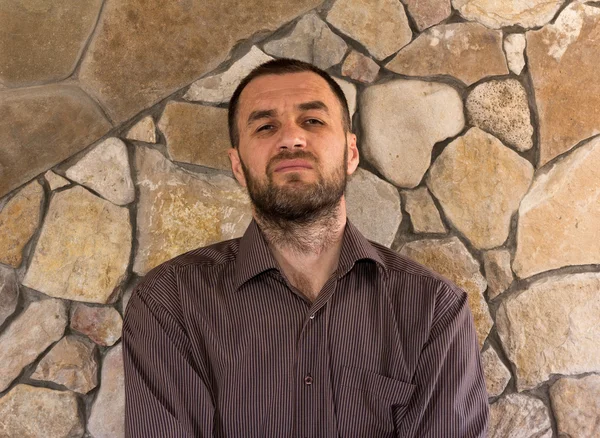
column 293, row 154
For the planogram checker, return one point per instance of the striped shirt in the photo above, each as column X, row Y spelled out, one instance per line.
column 217, row 342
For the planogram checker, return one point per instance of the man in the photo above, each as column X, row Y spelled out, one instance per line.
column 301, row 328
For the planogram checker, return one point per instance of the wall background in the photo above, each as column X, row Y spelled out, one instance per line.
column 476, row 121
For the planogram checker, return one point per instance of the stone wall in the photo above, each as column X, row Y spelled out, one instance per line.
column 476, row 122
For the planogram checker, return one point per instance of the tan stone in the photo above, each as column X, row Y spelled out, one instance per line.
column 424, row 215
column 576, row 405
column 42, row 41
column 497, row 271
column 552, row 327
column 360, row 67
column 83, row 250
column 559, row 219
column 349, row 93
column 501, row 108
column 34, row 330
column 379, row 25
column 30, row 412
column 55, row 181
column 467, row 51
column 71, row 363
column 42, row 126
column 144, row 130
column 142, row 52
column 426, row 13
column 103, row 325
column 479, row 183
column 367, row 197
column 402, row 120
column 196, row 134
column 179, row 210
column 496, row 374
column 19, row 219
column 514, row 46
column 452, row 260
column 519, row 416
column 9, row 293
column 562, row 62
column 497, row 14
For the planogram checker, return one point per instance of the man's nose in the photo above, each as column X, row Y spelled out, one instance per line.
column 292, row 136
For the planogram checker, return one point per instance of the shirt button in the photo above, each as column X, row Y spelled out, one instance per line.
column 312, row 316
column 308, row 380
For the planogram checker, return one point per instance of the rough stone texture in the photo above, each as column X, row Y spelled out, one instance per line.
column 497, row 14
column 349, row 92
column 451, row 259
column 500, row 107
column 424, row 215
column 576, row 405
column 497, row 271
column 105, row 169
column 402, row 120
column 103, row 325
column 379, row 25
column 367, row 197
column 360, row 67
column 144, row 130
column 426, row 13
column 559, row 219
column 563, row 56
column 42, row 126
column 310, row 41
column 496, row 374
column 107, row 419
column 9, row 293
column 30, row 412
column 42, row 41
column 19, row 219
column 41, row 324
column 71, row 363
column 172, row 44
column 552, row 327
column 479, row 183
column 55, row 181
column 467, row 51
column 179, row 211
column 219, row 88
column 518, row 416
column 83, row 250
column 514, row 46
column 196, row 134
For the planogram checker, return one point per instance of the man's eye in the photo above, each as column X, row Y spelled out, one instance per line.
column 314, row 122
column 264, row 128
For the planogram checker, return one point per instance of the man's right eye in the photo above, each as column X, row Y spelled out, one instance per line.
column 264, row 128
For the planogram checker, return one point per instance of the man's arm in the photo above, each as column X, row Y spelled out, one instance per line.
column 164, row 394
column 450, row 400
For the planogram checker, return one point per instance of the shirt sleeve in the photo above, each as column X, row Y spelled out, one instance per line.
column 451, row 398
column 164, row 394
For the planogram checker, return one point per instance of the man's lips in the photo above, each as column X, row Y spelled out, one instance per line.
column 287, row 165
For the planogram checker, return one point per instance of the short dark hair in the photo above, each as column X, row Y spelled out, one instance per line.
column 280, row 67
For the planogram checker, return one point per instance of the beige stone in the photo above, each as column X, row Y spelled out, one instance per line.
column 499, row 276
column 500, row 107
column 466, row 51
column 196, row 134
column 349, row 92
column 496, row 374
column 55, row 181
column 103, row 325
column 179, row 210
column 42, row 41
column 310, row 41
column 514, row 46
column 144, row 130
column 19, row 219
column 479, row 183
column 83, row 250
column 142, row 52
column 9, row 293
column 498, row 14
column 519, row 416
column 379, row 25
column 576, row 405
column 402, row 120
column 26, row 337
column 562, row 61
column 71, row 363
column 42, row 126
column 360, row 67
column 552, row 327
column 559, row 219
column 30, row 412
column 367, row 197
column 424, row 215
column 450, row 258
column 426, row 13
column 105, row 169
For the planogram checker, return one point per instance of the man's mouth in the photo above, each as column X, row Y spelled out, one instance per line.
column 293, row 165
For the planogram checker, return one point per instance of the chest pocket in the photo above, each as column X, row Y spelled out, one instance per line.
column 369, row 404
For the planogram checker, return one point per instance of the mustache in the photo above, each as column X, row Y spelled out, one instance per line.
column 287, row 155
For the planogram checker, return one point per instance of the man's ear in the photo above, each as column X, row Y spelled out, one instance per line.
column 236, row 166
column 353, row 157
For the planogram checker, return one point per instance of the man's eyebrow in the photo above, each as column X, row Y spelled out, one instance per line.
column 313, row 105
column 260, row 114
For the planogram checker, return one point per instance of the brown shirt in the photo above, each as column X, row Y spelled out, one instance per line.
column 216, row 342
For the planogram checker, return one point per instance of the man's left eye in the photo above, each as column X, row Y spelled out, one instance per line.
column 314, row 122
